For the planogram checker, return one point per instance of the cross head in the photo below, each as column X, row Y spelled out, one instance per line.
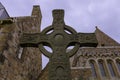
column 58, row 37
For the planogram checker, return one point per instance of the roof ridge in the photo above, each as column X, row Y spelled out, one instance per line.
column 1, row 6
column 3, row 12
column 104, row 39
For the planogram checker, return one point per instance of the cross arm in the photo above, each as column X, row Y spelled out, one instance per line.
column 33, row 39
column 29, row 40
column 87, row 39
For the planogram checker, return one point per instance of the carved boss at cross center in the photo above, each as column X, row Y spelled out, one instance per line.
column 59, row 37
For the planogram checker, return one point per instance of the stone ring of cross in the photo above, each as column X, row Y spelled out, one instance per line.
column 59, row 39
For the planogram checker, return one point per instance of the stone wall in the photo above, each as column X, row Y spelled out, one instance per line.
column 81, row 73
column 19, row 63
column 98, row 55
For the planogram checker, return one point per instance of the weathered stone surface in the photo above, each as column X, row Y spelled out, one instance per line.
column 104, row 39
column 103, row 54
column 28, row 65
column 58, row 40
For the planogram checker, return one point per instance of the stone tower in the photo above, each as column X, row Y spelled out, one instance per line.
column 18, row 63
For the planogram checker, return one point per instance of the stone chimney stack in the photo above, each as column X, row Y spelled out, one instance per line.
column 36, row 12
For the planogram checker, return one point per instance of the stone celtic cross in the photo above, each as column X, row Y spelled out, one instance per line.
column 58, row 36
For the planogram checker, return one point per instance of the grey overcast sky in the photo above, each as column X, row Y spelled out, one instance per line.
column 82, row 15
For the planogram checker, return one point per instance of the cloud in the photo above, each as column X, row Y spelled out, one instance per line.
column 83, row 15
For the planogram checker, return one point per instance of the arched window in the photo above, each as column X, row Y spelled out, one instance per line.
column 118, row 64
column 102, row 68
column 110, row 66
column 92, row 64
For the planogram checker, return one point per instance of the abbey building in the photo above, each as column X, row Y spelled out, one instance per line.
column 17, row 63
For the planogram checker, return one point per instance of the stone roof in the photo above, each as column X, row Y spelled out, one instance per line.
column 104, row 39
column 3, row 12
